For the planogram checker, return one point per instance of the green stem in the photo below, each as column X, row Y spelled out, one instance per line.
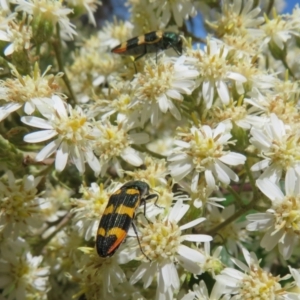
column 57, row 49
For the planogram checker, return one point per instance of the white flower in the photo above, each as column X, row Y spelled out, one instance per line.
column 26, row 91
column 279, row 30
column 102, row 278
column 19, row 36
column 203, row 150
column 200, row 292
column 21, row 274
column 241, row 17
column 48, row 11
column 162, row 242
column 20, row 205
column 279, row 148
column 201, row 195
column 212, row 264
column 281, row 222
column 215, row 71
column 114, row 142
column 161, row 85
column 253, row 282
column 113, row 34
column 73, row 131
column 179, row 9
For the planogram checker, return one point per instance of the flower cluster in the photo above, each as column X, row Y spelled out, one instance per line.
column 139, row 161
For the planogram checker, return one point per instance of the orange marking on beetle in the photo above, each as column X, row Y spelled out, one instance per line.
column 132, row 192
column 123, row 209
column 122, row 48
column 120, row 234
column 141, row 39
column 101, row 231
column 108, row 210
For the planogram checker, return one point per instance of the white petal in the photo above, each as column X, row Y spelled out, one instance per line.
column 201, row 238
column 174, row 94
column 223, row 92
column 61, row 157
column 192, row 223
column 210, row 179
column 178, row 211
column 208, row 93
column 9, row 49
column 77, row 158
column 236, row 76
column 139, row 273
column 36, row 122
column 260, row 165
column 93, row 162
column 29, row 107
column 286, row 246
column 180, row 170
column 233, row 159
column 132, row 157
column 47, row 150
column 190, row 254
column 163, row 103
column 290, row 181
column 270, row 189
column 39, row 136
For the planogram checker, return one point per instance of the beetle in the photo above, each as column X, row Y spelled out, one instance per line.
column 119, row 214
column 149, row 43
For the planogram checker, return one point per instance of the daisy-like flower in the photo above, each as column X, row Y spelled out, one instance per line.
column 253, row 282
column 161, row 85
column 21, row 274
column 20, row 205
column 281, row 222
column 236, row 114
column 278, row 146
column 212, row 264
column 113, row 34
column 73, row 132
column 27, row 91
column 200, row 292
column 18, row 35
column 45, row 12
column 90, row 207
column 282, row 103
column 278, row 30
column 114, row 142
column 238, row 18
column 154, row 173
column 216, row 70
column 102, row 278
column 202, row 150
column 162, row 242
column 89, row 6
column 201, row 196
column 180, row 10
column 143, row 16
